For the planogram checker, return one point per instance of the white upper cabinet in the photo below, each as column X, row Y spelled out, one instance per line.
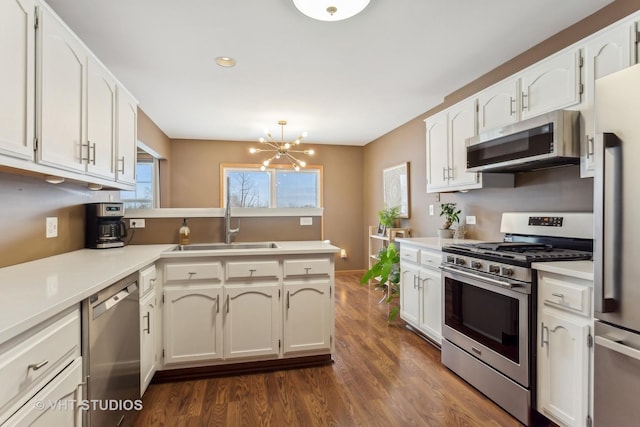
column 498, row 105
column 99, row 148
column 61, row 62
column 462, row 125
column 437, row 151
column 551, row 84
column 127, row 136
column 605, row 53
column 17, row 52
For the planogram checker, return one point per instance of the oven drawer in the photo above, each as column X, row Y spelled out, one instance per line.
column 557, row 291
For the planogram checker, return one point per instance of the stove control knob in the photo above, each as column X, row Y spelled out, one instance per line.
column 494, row 269
column 476, row 265
column 506, row 271
column 450, row 258
column 460, row 261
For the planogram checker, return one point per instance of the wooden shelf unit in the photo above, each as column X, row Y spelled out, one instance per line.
column 377, row 242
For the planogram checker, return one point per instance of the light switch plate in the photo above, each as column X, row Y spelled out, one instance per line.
column 52, row 227
column 431, row 210
column 471, row 220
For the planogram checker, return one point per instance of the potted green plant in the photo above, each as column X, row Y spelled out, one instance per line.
column 450, row 213
column 386, row 271
column 388, row 216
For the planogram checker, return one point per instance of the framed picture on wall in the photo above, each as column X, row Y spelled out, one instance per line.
column 395, row 181
column 381, row 229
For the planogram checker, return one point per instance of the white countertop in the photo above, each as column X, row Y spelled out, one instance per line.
column 34, row 291
column 577, row 269
column 433, row 242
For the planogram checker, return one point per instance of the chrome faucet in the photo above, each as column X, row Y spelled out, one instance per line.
column 228, row 231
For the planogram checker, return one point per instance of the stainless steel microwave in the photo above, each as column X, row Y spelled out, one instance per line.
column 548, row 140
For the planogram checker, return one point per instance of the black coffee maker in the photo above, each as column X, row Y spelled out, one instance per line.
column 104, row 225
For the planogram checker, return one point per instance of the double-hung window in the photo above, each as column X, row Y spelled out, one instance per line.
column 275, row 187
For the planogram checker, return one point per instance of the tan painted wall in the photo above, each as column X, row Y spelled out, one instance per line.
column 153, row 137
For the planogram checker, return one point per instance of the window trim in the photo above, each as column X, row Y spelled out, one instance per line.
column 256, row 167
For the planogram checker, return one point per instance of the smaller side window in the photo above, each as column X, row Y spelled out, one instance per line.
column 143, row 195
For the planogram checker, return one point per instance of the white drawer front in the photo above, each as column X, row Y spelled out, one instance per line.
column 39, row 356
column 563, row 295
column 430, row 259
column 251, row 269
column 409, row 254
column 306, row 267
column 192, row 271
column 147, row 279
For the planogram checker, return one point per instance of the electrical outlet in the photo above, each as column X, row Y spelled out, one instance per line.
column 431, row 210
column 471, row 220
column 136, row 223
column 52, row 227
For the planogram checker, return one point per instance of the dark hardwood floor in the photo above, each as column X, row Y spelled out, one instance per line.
column 383, row 375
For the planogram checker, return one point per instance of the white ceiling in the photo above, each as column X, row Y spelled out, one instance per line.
column 347, row 82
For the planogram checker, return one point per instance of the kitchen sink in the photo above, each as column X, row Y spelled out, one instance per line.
column 224, row 246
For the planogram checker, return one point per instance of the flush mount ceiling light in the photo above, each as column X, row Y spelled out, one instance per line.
column 330, row 10
column 282, row 149
column 225, row 61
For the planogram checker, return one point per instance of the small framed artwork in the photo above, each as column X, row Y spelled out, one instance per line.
column 381, row 229
column 396, row 188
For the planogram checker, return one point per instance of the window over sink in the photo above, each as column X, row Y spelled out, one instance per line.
column 278, row 186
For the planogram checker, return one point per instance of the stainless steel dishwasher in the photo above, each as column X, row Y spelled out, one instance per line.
column 111, row 354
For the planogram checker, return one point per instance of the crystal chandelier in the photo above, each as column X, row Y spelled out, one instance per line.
column 282, row 149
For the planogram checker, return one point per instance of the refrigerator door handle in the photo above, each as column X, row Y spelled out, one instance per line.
column 618, row 347
column 607, row 282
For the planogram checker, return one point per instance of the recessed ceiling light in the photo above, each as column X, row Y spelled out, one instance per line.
column 225, row 61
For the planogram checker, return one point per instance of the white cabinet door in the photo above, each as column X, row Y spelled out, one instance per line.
column 551, row 84
column 56, row 404
column 17, row 53
column 308, row 319
column 251, row 325
column 99, row 149
column 127, row 137
column 607, row 53
column 431, row 310
column 61, row 77
column 498, row 105
column 147, row 340
column 410, row 294
column 192, row 323
column 563, row 368
column 437, row 152
column 462, row 125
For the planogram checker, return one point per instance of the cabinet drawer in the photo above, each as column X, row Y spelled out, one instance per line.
column 37, row 358
column 306, row 267
column 563, row 295
column 147, row 279
column 409, row 254
column 430, row 259
column 192, row 271
column 251, row 269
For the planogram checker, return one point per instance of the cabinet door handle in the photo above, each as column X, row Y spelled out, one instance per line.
column 542, row 340
column 93, row 150
column 450, row 174
column 557, row 295
column 36, row 366
column 121, row 161
column 148, row 328
column 88, row 158
column 227, row 303
column 512, row 106
column 217, row 303
column 525, row 106
column 288, row 300
column 444, row 173
column 590, row 148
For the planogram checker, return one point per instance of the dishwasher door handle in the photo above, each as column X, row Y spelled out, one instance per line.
column 108, row 304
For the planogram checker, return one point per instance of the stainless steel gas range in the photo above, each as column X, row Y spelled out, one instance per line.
column 490, row 303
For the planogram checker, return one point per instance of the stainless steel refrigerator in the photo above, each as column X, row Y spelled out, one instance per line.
column 617, row 250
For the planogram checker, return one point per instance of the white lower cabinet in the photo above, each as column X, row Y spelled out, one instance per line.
column 421, row 290
column 563, row 349
column 192, row 323
column 147, row 340
column 252, row 320
column 246, row 308
column 57, row 404
column 308, row 316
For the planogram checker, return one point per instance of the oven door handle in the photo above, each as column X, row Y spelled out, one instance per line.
column 479, row 277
